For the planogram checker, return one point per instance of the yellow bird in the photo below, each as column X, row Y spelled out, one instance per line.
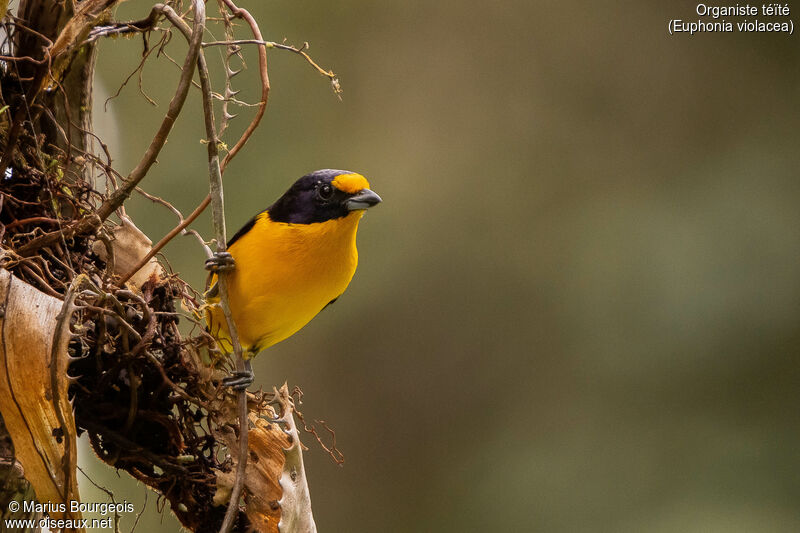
column 289, row 262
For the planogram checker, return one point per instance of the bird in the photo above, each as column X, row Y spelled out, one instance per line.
column 288, row 263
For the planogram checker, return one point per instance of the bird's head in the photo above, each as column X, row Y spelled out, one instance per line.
column 324, row 195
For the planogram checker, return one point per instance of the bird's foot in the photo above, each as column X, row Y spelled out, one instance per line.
column 239, row 380
column 220, row 262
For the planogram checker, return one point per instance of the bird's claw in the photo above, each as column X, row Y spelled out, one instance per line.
column 220, row 262
column 239, row 380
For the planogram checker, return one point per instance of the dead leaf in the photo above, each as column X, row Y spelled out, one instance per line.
column 130, row 245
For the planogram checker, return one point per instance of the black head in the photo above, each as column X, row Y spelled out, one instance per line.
column 323, row 195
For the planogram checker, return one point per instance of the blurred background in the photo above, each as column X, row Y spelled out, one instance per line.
column 577, row 309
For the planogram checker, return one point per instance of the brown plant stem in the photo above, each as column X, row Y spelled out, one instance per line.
column 264, row 74
column 218, row 216
column 92, row 222
column 281, row 46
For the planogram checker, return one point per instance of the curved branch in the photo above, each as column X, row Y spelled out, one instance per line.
column 92, row 222
column 262, row 69
column 218, row 211
column 289, row 48
column 262, row 106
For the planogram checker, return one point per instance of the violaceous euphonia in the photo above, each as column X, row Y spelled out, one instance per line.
column 289, row 262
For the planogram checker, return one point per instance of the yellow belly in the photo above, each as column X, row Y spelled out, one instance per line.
column 285, row 274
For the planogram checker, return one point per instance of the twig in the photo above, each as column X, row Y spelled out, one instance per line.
column 111, row 496
column 23, row 58
column 262, row 69
column 289, row 48
column 139, row 515
column 56, row 56
column 62, row 330
column 90, row 223
column 122, row 28
column 37, row 220
column 18, row 24
column 27, row 99
column 333, row 451
column 138, row 69
column 175, row 106
column 218, row 216
column 22, row 110
column 232, row 50
column 43, row 285
column 164, row 240
column 177, row 213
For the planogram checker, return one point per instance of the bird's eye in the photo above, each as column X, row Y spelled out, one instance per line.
column 325, row 192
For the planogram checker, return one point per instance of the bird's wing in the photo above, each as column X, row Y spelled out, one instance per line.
column 212, row 289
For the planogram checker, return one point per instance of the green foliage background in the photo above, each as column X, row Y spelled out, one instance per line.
column 577, row 308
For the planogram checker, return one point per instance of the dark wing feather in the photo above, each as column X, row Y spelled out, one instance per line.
column 244, row 229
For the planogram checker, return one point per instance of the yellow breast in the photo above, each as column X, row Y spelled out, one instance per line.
column 285, row 274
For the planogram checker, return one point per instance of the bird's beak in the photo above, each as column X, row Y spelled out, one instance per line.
column 363, row 199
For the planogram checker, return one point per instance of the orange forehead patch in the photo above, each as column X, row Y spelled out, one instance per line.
column 350, row 183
